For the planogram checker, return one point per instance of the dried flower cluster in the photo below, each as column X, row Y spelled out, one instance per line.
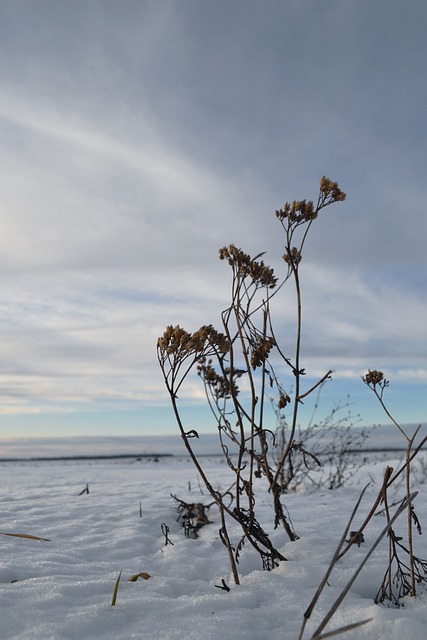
column 177, row 341
column 260, row 351
column 245, row 266
column 374, row 377
column 293, row 257
column 222, row 386
column 298, row 211
column 331, row 190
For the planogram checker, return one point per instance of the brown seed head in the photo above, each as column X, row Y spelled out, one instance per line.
column 294, row 257
column 331, row 190
column 373, row 377
column 247, row 267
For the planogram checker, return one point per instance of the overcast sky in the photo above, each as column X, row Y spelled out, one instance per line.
column 138, row 137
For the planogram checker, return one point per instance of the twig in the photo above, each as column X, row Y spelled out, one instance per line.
column 165, row 531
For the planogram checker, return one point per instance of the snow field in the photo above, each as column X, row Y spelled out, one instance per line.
column 62, row 589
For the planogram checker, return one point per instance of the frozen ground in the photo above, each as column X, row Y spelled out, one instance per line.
column 63, row 588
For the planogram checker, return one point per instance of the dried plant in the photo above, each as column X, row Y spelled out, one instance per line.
column 318, row 634
column 192, row 516
column 404, row 569
column 238, row 367
column 402, row 575
column 324, row 454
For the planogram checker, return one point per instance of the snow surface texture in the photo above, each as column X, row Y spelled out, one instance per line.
column 63, row 588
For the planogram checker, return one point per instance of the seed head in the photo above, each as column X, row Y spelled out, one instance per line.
column 178, row 342
column 260, row 351
column 373, row 378
column 294, row 257
column 247, row 267
column 331, row 190
column 283, row 401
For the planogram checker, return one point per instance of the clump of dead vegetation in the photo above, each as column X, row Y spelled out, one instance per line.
column 241, row 367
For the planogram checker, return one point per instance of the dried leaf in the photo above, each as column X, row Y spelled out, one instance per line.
column 192, row 434
column 145, row 576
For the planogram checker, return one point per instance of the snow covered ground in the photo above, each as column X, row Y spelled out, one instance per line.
column 63, row 587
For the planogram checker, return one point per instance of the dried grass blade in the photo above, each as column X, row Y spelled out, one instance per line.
column 25, row 535
column 347, row 627
column 116, row 588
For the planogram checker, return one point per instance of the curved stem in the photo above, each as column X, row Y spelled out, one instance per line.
column 296, row 368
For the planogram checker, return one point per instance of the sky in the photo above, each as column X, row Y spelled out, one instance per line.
column 139, row 137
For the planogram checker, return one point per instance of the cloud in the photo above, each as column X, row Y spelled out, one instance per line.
column 138, row 141
column 81, row 219
column 92, row 344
